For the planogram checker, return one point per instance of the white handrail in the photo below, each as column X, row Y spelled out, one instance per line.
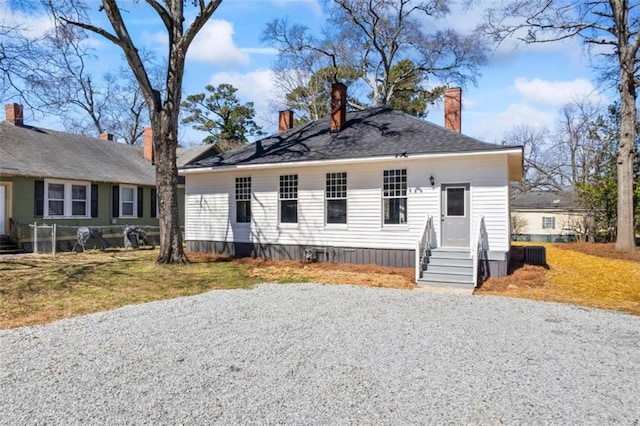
column 423, row 245
column 476, row 247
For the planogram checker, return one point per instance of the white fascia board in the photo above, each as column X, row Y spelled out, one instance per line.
column 347, row 161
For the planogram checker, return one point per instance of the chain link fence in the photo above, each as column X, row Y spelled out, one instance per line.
column 51, row 238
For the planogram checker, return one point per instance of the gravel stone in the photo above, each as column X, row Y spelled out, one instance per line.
column 325, row 354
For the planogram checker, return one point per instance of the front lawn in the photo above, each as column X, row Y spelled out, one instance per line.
column 36, row 289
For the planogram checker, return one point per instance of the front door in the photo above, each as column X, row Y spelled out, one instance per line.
column 3, row 208
column 456, row 217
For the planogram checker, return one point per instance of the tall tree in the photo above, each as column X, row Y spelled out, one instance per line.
column 222, row 115
column 539, row 172
column 599, row 192
column 163, row 102
column 409, row 97
column 612, row 24
column 310, row 97
column 373, row 36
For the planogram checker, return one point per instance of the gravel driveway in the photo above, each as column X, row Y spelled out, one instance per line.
column 301, row 354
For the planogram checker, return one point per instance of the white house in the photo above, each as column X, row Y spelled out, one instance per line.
column 550, row 216
column 375, row 186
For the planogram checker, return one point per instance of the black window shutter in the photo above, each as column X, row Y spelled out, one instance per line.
column 154, row 207
column 38, row 204
column 115, row 208
column 140, row 203
column 94, row 200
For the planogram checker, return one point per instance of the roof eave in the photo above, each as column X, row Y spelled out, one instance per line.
column 517, row 151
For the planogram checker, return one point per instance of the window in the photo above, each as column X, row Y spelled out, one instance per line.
column 288, row 199
column 128, row 201
column 548, row 222
column 455, row 202
column 243, row 199
column 78, row 200
column 394, row 196
column 55, row 199
column 66, row 199
column 336, row 196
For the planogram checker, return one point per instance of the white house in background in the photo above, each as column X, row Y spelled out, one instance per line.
column 374, row 187
column 549, row 216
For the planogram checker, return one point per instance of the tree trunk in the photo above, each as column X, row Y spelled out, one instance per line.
column 165, row 138
column 625, row 238
column 171, row 250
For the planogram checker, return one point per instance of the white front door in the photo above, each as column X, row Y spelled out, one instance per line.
column 3, row 208
column 456, row 218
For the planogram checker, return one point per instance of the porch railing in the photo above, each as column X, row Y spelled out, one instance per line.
column 423, row 246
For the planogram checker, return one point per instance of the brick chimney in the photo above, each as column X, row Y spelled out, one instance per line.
column 106, row 136
column 14, row 114
column 147, row 150
column 285, row 120
column 453, row 109
column 338, row 106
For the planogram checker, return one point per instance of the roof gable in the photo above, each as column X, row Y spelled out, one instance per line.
column 377, row 132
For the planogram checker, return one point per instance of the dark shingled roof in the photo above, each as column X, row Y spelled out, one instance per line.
column 545, row 200
column 32, row 151
column 377, row 132
column 192, row 153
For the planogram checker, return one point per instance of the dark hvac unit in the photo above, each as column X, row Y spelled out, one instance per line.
column 535, row 255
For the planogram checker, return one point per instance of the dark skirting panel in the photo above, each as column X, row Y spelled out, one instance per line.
column 396, row 258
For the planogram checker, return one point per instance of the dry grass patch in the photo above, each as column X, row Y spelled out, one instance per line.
column 40, row 289
column 577, row 278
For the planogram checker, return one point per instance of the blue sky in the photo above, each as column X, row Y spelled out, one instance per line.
column 520, row 85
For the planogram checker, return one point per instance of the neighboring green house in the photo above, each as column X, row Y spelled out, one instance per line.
column 48, row 177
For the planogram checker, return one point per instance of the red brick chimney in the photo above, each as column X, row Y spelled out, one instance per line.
column 106, row 136
column 338, row 106
column 453, row 109
column 147, row 150
column 285, row 120
column 14, row 114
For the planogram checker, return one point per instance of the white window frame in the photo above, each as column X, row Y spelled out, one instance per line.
column 134, row 188
column 552, row 221
column 282, row 196
column 331, row 177
column 243, row 183
column 404, row 224
column 67, row 200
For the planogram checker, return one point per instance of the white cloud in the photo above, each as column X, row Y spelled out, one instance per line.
column 255, row 86
column 491, row 126
column 555, row 93
column 214, row 44
column 313, row 4
column 32, row 25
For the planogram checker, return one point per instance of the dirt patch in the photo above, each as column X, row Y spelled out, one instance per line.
column 287, row 271
column 525, row 276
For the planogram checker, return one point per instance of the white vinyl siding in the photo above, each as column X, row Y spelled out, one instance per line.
column 210, row 214
column 67, row 199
